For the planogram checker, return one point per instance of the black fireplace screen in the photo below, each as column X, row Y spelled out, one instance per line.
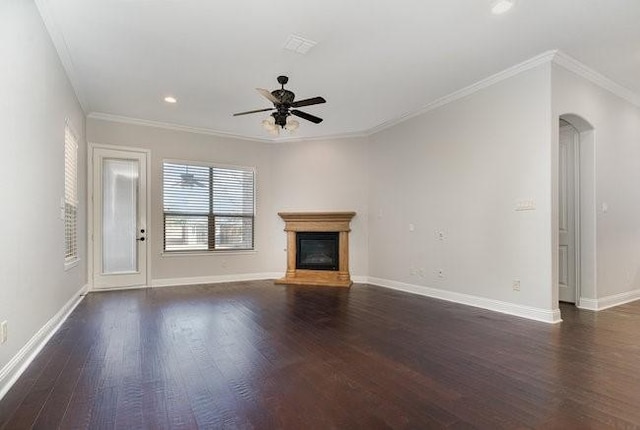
column 317, row 250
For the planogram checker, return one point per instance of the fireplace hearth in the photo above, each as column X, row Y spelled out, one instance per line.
column 317, row 248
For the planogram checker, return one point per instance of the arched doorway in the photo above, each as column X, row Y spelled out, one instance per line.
column 576, row 211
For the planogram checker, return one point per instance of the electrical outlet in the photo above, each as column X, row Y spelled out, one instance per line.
column 421, row 272
column 516, row 285
column 3, row 332
column 440, row 235
column 440, row 273
column 412, row 271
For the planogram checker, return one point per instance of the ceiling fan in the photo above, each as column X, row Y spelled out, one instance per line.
column 283, row 102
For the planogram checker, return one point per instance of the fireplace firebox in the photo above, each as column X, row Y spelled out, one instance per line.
column 317, row 250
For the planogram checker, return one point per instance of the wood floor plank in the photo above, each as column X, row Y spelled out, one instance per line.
column 252, row 355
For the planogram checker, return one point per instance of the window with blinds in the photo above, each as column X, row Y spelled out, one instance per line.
column 207, row 208
column 70, row 195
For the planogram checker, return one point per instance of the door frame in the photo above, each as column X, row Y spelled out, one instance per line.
column 577, row 187
column 90, row 215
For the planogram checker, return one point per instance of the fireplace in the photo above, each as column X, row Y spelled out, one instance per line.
column 317, row 248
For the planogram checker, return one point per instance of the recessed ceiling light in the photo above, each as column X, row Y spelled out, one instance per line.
column 170, row 99
column 501, row 6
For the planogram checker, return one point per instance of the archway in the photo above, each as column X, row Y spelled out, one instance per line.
column 576, row 232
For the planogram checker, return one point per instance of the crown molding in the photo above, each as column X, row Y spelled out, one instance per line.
column 531, row 63
column 351, row 135
column 575, row 66
column 171, row 126
column 61, row 47
column 211, row 132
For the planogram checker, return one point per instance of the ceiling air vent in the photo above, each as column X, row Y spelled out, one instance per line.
column 299, row 44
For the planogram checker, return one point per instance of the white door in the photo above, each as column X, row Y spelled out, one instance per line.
column 119, row 218
column 568, row 194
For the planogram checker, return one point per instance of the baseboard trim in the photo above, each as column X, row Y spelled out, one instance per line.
column 610, row 301
column 537, row 314
column 107, row 289
column 217, row 279
column 10, row 373
column 587, row 304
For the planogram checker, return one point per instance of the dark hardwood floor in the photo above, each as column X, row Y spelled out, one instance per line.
column 255, row 355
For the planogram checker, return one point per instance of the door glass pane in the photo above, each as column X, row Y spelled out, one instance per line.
column 119, row 215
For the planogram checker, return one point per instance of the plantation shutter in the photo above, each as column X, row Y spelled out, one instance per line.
column 70, row 194
column 207, row 207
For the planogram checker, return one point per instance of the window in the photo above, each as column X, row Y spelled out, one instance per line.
column 70, row 195
column 207, row 208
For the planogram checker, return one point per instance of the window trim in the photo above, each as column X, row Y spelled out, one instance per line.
column 204, row 252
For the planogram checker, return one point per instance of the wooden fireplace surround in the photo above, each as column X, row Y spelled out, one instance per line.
column 317, row 222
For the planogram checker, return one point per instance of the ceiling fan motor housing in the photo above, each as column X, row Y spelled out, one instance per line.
column 285, row 96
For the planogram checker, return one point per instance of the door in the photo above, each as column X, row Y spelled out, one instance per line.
column 568, row 204
column 119, row 218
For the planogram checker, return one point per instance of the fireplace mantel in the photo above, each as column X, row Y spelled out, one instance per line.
column 317, row 222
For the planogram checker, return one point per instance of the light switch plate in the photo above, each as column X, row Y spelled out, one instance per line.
column 525, row 205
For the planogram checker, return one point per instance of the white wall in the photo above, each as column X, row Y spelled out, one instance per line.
column 36, row 99
column 461, row 169
column 616, row 125
column 310, row 176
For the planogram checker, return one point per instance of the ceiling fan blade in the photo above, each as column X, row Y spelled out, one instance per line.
column 267, row 95
column 252, row 111
column 308, row 102
column 308, row 117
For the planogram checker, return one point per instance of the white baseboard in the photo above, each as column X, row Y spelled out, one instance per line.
column 199, row 280
column 587, row 304
column 537, row 314
column 10, row 373
column 609, row 301
column 104, row 289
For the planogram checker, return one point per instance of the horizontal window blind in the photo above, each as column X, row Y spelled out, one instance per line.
column 207, row 207
column 70, row 194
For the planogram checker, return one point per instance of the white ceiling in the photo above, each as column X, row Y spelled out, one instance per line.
column 375, row 60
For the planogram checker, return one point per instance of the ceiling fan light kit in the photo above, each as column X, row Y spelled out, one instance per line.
column 283, row 102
